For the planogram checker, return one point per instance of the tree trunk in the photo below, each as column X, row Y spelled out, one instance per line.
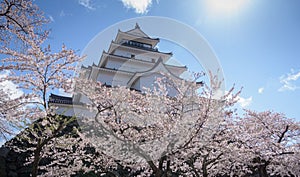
column 158, row 173
column 204, row 167
column 36, row 160
column 263, row 171
column 205, row 174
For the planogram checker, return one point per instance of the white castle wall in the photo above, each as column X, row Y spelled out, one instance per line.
column 113, row 78
column 122, row 53
column 105, row 77
column 150, row 81
column 131, row 65
column 114, row 64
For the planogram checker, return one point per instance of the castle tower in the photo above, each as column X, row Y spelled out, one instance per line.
column 132, row 60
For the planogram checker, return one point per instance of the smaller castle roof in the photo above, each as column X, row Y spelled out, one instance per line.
column 136, row 34
column 53, row 98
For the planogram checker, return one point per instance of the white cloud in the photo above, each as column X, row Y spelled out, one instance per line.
column 241, row 101
column 87, row 4
column 288, row 81
column 10, row 87
column 51, row 18
column 244, row 102
column 261, row 90
column 140, row 6
column 62, row 13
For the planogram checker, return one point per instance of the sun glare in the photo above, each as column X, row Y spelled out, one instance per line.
column 225, row 7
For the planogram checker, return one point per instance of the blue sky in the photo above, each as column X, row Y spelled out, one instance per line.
column 257, row 42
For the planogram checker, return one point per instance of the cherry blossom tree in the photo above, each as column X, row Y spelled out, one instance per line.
column 272, row 143
column 35, row 69
column 4, row 111
column 161, row 134
column 38, row 71
column 191, row 134
column 173, row 129
column 12, row 112
column 153, row 133
column 19, row 16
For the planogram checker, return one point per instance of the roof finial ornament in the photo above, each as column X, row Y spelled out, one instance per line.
column 137, row 25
